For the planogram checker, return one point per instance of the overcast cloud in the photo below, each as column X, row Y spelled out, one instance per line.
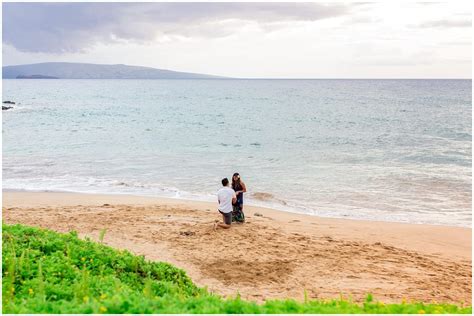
column 70, row 27
column 384, row 39
column 447, row 23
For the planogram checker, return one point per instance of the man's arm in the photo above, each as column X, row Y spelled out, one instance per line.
column 234, row 198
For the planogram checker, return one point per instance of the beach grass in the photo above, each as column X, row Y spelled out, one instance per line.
column 49, row 272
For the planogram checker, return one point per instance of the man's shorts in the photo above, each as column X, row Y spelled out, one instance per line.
column 227, row 217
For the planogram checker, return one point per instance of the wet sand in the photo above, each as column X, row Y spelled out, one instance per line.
column 276, row 255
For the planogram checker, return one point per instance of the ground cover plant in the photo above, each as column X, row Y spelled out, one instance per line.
column 48, row 272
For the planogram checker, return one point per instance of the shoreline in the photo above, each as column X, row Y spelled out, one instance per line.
column 276, row 255
column 284, row 208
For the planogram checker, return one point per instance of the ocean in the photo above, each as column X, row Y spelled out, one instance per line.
column 381, row 150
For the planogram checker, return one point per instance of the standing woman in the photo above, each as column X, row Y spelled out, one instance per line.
column 238, row 207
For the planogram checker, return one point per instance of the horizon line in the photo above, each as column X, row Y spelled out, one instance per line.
column 243, row 78
column 223, row 77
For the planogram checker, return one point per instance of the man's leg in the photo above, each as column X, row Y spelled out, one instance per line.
column 227, row 220
column 223, row 225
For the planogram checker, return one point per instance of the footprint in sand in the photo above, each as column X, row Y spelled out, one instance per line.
column 187, row 233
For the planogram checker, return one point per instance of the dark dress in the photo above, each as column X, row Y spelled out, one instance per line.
column 237, row 212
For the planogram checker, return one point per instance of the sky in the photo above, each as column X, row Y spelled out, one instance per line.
column 249, row 40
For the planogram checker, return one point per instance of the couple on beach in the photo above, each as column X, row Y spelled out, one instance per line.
column 231, row 201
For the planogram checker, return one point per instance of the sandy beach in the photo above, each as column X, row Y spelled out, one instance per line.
column 276, row 255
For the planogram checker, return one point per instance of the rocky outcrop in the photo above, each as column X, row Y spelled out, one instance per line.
column 7, row 107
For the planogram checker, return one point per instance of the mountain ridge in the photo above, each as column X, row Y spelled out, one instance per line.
column 68, row 70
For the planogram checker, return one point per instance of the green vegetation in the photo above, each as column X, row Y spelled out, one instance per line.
column 47, row 272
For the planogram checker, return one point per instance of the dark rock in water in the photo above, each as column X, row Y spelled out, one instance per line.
column 6, row 107
column 8, row 102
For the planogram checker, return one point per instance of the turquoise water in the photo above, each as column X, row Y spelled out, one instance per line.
column 390, row 150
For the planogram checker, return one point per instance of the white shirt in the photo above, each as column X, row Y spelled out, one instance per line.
column 224, row 196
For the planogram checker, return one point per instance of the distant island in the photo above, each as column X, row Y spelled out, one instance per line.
column 35, row 77
column 94, row 71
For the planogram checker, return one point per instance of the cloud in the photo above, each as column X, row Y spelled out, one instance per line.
column 446, row 24
column 75, row 27
column 363, row 20
column 456, row 43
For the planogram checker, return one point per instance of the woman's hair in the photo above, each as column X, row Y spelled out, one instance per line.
column 238, row 179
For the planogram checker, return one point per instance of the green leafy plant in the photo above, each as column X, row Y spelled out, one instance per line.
column 102, row 235
column 48, row 272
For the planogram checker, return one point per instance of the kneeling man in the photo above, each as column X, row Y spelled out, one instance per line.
column 226, row 197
